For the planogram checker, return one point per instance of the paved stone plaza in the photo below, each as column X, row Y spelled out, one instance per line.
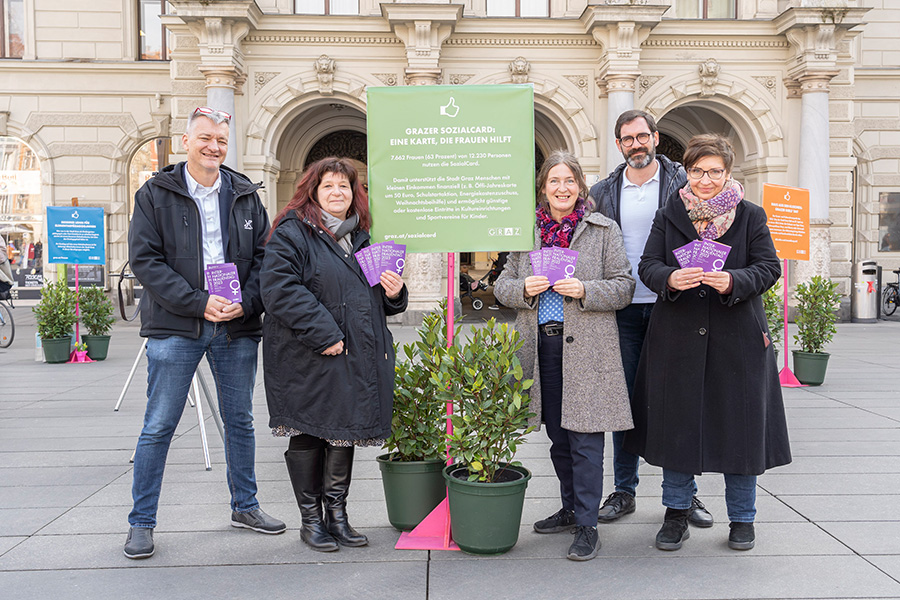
column 828, row 524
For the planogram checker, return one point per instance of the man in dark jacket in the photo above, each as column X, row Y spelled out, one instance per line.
column 631, row 196
column 190, row 216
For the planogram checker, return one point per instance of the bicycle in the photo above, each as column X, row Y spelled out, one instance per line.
column 7, row 324
column 890, row 297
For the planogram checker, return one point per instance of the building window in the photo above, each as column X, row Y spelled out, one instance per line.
column 706, row 9
column 12, row 28
column 21, row 210
column 889, row 221
column 151, row 157
column 326, row 7
column 518, row 8
column 153, row 37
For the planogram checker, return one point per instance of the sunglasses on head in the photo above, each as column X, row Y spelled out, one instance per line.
column 205, row 110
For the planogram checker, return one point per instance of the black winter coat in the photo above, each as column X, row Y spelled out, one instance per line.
column 166, row 252
column 607, row 194
column 316, row 295
column 707, row 396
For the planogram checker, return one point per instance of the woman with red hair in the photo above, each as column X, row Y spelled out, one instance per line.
column 328, row 355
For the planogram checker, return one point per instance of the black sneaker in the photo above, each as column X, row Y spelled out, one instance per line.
column 257, row 520
column 139, row 543
column 562, row 520
column 742, row 536
column 616, row 505
column 586, row 544
column 699, row 517
column 674, row 530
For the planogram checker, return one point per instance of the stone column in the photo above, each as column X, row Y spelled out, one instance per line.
column 221, row 84
column 620, row 97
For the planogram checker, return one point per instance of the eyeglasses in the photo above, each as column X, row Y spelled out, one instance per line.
column 210, row 112
column 697, row 174
column 628, row 141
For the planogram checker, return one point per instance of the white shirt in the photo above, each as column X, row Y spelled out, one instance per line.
column 636, row 211
column 207, row 199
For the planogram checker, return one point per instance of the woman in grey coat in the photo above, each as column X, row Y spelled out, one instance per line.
column 571, row 344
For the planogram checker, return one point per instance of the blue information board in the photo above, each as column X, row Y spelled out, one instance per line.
column 75, row 235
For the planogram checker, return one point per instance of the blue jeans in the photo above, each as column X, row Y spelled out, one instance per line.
column 632, row 321
column 577, row 457
column 171, row 363
column 740, row 494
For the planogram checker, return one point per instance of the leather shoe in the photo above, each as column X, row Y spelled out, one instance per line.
column 615, row 506
column 139, row 543
column 257, row 520
column 699, row 516
column 317, row 537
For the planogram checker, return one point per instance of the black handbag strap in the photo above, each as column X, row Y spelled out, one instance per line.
column 123, row 275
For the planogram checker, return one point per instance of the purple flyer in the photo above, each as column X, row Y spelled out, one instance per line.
column 711, row 256
column 222, row 280
column 394, row 256
column 568, row 260
column 562, row 264
column 537, row 261
column 377, row 261
column 364, row 258
column 685, row 254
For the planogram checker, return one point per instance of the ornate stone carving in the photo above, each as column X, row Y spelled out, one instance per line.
column 4, row 119
column 601, row 85
column 713, row 43
column 344, row 143
column 386, row 78
column 324, row 40
column 768, row 82
column 459, row 79
column 261, row 78
column 518, row 70
column 517, row 42
column 645, row 83
column 709, row 77
column 792, row 87
column 580, row 81
column 325, row 74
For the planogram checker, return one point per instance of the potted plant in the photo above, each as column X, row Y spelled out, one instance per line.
column 486, row 488
column 97, row 312
column 55, row 317
column 411, row 471
column 816, row 314
column 772, row 305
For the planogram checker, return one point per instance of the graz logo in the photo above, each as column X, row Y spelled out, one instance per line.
column 248, row 224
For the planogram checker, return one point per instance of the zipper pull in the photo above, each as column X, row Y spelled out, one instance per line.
column 185, row 220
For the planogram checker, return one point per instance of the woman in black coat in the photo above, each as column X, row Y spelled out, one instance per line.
column 328, row 354
column 707, row 396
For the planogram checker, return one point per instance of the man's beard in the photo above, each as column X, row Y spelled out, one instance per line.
column 649, row 157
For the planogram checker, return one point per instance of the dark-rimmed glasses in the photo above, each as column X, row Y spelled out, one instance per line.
column 205, row 110
column 628, row 140
column 696, row 173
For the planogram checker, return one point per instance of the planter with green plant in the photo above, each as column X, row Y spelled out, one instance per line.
column 815, row 316
column 773, row 306
column 97, row 316
column 411, row 471
column 486, row 487
column 55, row 317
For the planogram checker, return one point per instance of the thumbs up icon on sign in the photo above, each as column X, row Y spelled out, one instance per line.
column 451, row 109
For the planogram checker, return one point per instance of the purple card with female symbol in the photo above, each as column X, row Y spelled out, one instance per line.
column 685, row 254
column 222, row 280
column 711, row 256
column 562, row 264
column 394, row 257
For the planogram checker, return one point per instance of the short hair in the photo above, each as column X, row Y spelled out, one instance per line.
column 305, row 202
column 630, row 115
column 216, row 117
column 708, row 144
column 561, row 157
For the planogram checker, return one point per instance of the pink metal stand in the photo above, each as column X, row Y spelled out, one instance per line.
column 786, row 376
column 78, row 357
column 433, row 533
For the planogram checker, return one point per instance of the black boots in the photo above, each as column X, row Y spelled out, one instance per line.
column 338, row 468
column 321, row 476
column 305, row 469
column 674, row 529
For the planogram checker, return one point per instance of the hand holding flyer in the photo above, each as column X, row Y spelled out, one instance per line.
column 378, row 258
column 222, row 280
column 707, row 254
column 554, row 263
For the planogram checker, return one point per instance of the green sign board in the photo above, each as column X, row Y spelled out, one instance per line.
column 451, row 168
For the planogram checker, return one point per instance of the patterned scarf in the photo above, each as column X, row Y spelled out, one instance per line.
column 555, row 233
column 713, row 217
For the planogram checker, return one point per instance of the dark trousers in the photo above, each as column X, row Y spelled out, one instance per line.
column 577, row 457
column 632, row 321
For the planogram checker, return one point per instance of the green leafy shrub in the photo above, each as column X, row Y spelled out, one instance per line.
column 774, row 306
column 817, row 304
column 55, row 312
column 97, row 310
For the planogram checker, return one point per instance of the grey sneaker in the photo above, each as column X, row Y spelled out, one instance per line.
column 562, row 520
column 586, row 544
column 139, row 543
column 257, row 520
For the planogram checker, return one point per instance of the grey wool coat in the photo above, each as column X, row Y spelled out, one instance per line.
column 594, row 394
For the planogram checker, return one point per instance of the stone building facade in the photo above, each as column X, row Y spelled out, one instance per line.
column 809, row 91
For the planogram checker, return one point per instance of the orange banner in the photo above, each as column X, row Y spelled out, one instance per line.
column 788, row 212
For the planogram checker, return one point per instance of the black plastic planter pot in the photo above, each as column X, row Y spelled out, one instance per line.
column 411, row 489
column 485, row 517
